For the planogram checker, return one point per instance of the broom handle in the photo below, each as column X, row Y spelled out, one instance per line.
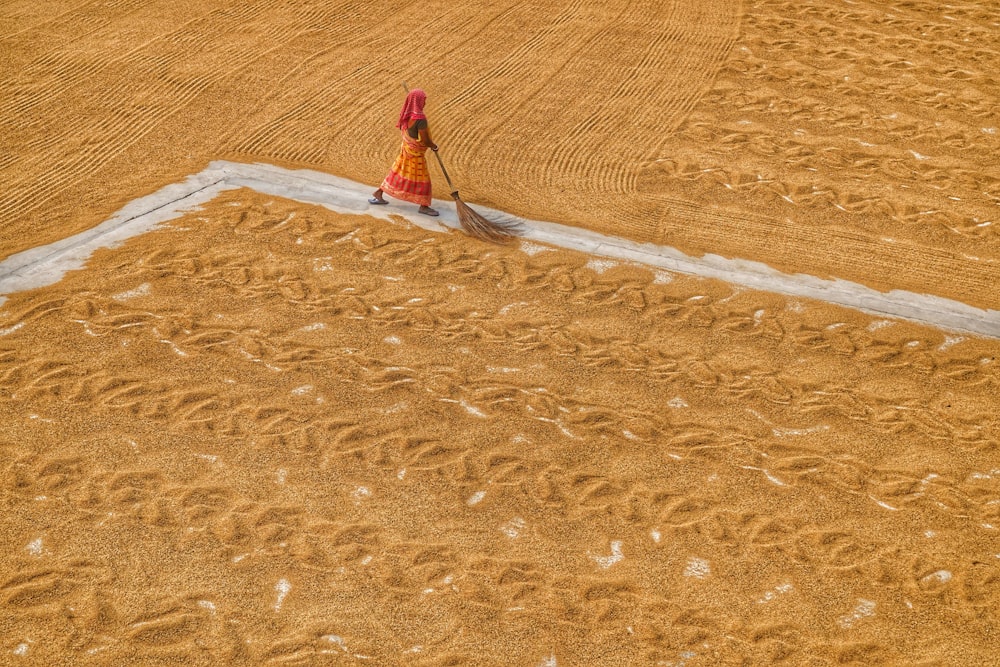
column 454, row 192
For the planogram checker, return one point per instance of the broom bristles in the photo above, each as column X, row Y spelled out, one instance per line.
column 482, row 228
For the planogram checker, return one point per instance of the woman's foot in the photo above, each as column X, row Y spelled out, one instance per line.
column 427, row 210
column 377, row 198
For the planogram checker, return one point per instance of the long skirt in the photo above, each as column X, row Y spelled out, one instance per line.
column 409, row 179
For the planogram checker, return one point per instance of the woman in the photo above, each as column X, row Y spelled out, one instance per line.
column 409, row 179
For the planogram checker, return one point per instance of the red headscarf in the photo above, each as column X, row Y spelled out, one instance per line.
column 413, row 108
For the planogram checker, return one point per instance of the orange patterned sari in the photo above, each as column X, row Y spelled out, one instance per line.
column 409, row 179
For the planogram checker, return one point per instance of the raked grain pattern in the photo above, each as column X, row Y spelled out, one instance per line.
column 273, row 434
column 856, row 136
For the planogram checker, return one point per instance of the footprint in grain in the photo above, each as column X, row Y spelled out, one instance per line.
column 41, row 586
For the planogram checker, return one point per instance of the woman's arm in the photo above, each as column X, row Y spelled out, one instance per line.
column 425, row 136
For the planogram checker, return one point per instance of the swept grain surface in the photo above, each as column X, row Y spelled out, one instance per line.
column 858, row 138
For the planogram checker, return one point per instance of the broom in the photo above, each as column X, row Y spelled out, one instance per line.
column 473, row 223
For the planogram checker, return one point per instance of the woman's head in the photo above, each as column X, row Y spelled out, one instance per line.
column 413, row 108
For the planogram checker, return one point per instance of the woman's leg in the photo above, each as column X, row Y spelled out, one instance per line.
column 377, row 198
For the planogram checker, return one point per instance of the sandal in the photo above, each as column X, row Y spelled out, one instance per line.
column 427, row 210
column 377, row 202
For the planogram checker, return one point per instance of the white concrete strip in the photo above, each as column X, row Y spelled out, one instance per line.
column 47, row 264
